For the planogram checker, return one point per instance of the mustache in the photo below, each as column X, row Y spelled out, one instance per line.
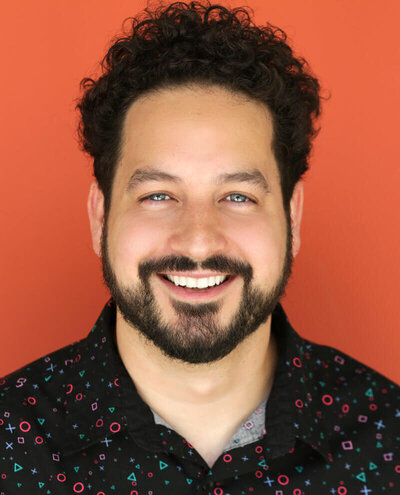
column 218, row 263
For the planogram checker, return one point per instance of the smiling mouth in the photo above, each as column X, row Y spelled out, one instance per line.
column 194, row 293
column 226, row 279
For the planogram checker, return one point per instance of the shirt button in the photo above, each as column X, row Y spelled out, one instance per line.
column 208, row 486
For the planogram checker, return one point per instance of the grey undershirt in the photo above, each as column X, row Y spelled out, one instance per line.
column 250, row 431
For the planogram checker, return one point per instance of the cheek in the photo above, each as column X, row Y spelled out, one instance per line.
column 130, row 242
column 264, row 246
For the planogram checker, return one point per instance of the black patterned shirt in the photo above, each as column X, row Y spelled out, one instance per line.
column 72, row 422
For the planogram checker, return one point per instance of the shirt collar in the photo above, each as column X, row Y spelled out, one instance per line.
column 291, row 411
column 92, row 404
column 99, row 382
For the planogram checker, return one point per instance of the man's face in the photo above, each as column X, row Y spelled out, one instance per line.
column 199, row 224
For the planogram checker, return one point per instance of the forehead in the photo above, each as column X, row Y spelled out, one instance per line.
column 197, row 131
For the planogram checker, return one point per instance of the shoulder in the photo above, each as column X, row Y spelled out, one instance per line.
column 359, row 407
column 40, row 377
column 34, row 394
column 343, row 372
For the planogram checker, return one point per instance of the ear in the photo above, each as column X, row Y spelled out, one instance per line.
column 95, row 205
column 296, row 212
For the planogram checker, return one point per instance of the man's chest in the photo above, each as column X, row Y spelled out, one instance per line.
column 118, row 465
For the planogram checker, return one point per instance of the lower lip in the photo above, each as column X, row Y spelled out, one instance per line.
column 197, row 294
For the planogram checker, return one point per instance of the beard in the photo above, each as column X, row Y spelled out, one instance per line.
column 196, row 337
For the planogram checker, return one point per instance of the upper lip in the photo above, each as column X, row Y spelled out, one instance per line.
column 194, row 274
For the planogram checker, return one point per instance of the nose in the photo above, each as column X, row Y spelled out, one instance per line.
column 198, row 234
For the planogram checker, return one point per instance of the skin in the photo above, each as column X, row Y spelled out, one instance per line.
column 197, row 133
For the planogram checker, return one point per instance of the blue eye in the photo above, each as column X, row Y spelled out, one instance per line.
column 154, row 195
column 236, row 195
column 158, row 198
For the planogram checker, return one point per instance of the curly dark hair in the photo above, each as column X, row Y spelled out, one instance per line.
column 206, row 44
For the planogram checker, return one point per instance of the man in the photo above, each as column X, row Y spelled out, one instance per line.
column 192, row 379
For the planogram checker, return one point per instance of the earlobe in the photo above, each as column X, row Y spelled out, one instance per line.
column 95, row 205
column 296, row 213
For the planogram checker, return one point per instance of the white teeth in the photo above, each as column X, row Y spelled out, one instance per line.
column 199, row 283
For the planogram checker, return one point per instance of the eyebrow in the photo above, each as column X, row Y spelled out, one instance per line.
column 252, row 176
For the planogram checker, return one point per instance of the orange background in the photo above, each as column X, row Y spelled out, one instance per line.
column 345, row 287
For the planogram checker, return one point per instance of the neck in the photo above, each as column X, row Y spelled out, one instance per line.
column 246, row 373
